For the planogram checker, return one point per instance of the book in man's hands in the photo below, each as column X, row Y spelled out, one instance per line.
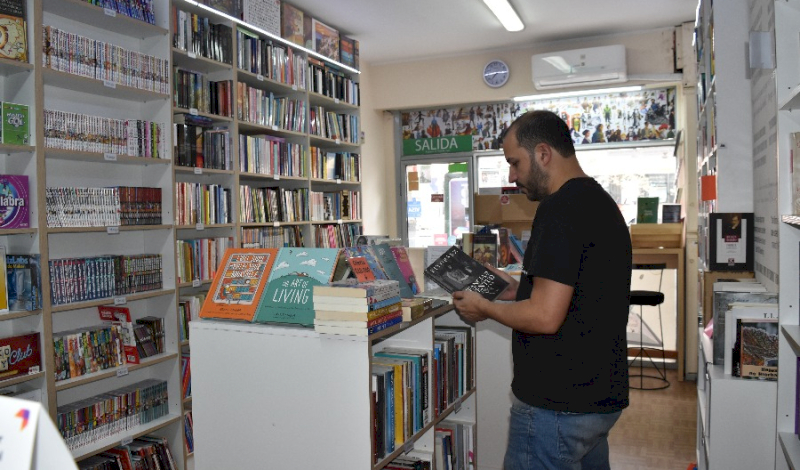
column 457, row 271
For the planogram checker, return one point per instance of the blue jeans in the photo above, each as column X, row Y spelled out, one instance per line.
column 557, row 440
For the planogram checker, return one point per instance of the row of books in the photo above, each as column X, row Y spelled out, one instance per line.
column 143, row 453
column 82, row 279
column 453, row 446
column 186, row 376
column 199, row 145
column 271, row 155
column 335, row 205
column 264, row 108
column 87, row 133
column 115, row 412
column 301, row 28
column 198, row 203
column 194, row 91
column 332, row 83
column 15, row 128
column 357, row 309
column 196, row 35
column 91, row 58
column 137, row 9
column 272, row 237
column 381, row 261
column 188, row 310
column 188, row 429
column 345, row 166
column 103, row 207
column 260, row 205
column 198, row 258
column 150, row 336
column 337, row 235
column 330, row 125
column 270, row 60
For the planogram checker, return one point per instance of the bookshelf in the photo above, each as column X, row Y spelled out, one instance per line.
column 277, row 411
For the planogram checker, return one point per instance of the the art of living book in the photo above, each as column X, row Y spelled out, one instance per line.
column 239, row 284
column 456, row 271
column 14, row 201
column 289, row 292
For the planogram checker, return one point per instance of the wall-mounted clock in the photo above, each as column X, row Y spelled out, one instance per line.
column 495, row 73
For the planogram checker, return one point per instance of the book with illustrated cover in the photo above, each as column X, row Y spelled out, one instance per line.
column 288, row 296
column 360, row 268
column 239, row 283
column 383, row 253
column 292, row 24
column 369, row 256
column 14, row 43
column 647, row 210
column 757, row 345
column 455, row 271
column 326, row 39
column 14, row 201
column 16, row 124
column 20, row 355
column 485, row 248
column 346, row 51
column 24, row 279
column 121, row 316
column 404, row 263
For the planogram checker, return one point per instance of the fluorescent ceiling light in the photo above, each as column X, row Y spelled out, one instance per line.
column 564, row 94
column 506, row 14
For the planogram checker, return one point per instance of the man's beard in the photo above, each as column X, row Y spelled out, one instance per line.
column 536, row 184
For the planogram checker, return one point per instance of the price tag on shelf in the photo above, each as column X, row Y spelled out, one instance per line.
column 260, row 78
column 274, row 128
column 193, row 111
column 338, row 181
column 339, row 221
column 109, row 84
column 276, row 224
column 198, row 170
column 276, row 177
column 122, row 371
column 110, row 157
column 110, row 12
column 112, row 230
column 120, row 300
column 195, row 282
column 294, row 87
column 199, row 227
column 457, row 405
column 127, row 441
column 33, row 370
column 191, row 55
column 338, row 141
column 336, row 100
column 408, row 446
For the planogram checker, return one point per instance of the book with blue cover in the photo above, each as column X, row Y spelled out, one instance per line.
column 364, row 251
column 383, row 253
column 288, row 297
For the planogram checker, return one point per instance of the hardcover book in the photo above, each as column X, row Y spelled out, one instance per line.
column 24, row 277
column 289, row 294
column 239, row 283
column 758, row 348
column 455, row 271
column 16, row 124
column 265, row 14
column 647, row 210
column 121, row 316
column 14, row 44
column 347, row 51
column 326, row 39
column 14, row 201
column 292, row 24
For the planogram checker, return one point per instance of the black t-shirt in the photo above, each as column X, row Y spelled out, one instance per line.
column 580, row 239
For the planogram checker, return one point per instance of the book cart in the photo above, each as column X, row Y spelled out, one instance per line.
column 305, row 399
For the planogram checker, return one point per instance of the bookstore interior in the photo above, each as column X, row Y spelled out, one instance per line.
column 185, row 237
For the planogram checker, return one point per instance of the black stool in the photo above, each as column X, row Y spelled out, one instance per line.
column 652, row 299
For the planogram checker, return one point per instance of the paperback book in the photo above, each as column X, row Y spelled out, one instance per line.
column 484, row 248
column 16, row 124
column 455, row 271
column 289, row 293
column 24, row 279
column 14, row 44
column 121, row 316
column 14, row 201
column 383, row 253
column 239, row 283
column 404, row 263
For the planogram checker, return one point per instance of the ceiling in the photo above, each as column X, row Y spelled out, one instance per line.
column 405, row 30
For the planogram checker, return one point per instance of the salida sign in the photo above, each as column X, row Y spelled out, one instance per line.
column 447, row 144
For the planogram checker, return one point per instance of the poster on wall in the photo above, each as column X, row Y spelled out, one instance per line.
column 647, row 114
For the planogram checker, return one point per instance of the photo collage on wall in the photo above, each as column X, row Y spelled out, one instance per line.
column 647, row 114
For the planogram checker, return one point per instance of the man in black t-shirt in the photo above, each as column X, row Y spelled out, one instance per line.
column 570, row 306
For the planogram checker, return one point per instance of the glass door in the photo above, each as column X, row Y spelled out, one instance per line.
column 438, row 199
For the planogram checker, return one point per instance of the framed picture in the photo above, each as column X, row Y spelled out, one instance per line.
column 730, row 241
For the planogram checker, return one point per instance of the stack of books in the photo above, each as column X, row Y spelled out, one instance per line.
column 357, row 308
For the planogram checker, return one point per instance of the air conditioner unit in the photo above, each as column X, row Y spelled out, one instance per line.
column 580, row 67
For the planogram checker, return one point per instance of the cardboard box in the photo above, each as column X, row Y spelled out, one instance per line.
column 657, row 235
column 706, row 281
column 513, row 211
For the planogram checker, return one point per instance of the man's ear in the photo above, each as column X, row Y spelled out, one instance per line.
column 543, row 154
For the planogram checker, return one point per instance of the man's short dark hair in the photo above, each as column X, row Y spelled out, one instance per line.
column 536, row 127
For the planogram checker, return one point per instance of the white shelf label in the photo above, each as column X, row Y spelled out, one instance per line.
column 198, row 170
column 193, row 111
column 336, row 100
column 457, row 405
column 191, row 55
column 294, row 87
column 339, row 221
column 110, row 12
column 276, row 177
column 199, row 227
column 196, row 283
column 110, row 157
column 338, row 181
column 338, row 141
column 122, row 371
column 109, row 84
column 260, row 78
column 120, row 300
column 113, row 230
column 33, row 370
column 274, row 128
column 126, row 441
column 276, row 224
column 408, row 446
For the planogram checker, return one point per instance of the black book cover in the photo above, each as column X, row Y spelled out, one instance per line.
column 456, row 271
